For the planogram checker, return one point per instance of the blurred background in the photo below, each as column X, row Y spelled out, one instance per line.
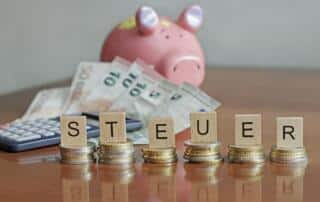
column 42, row 41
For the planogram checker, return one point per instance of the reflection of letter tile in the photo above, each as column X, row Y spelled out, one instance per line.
column 165, row 137
column 75, row 190
column 202, row 192
column 112, row 121
column 293, row 129
column 203, row 127
column 248, row 129
column 289, row 189
column 248, row 191
column 115, row 192
column 73, row 131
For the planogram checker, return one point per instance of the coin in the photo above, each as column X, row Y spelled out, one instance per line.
column 77, row 155
column 284, row 155
column 202, row 152
column 116, row 153
column 246, row 154
column 160, row 155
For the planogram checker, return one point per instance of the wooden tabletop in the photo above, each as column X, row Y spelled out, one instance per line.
column 38, row 176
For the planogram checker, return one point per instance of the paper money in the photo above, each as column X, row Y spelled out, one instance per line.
column 83, row 82
column 145, row 82
column 108, row 86
column 178, row 106
column 47, row 104
column 148, row 101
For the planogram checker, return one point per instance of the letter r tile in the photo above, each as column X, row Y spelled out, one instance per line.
column 289, row 132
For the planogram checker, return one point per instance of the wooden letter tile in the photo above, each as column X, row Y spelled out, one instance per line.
column 112, row 127
column 289, row 132
column 73, row 131
column 161, row 133
column 247, row 129
column 203, row 127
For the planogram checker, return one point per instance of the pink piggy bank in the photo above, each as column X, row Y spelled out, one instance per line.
column 171, row 47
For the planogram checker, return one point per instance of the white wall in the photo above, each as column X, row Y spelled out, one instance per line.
column 43, row 40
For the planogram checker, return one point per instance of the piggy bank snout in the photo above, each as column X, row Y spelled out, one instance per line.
column 185, row 69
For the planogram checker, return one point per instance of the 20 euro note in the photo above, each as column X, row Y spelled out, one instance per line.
column 83, row 82
column 178, row 106
column 47, row 103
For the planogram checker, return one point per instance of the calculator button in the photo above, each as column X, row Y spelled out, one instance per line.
column 14, row 137
column 88, row 127
column 27, row 138
column 6, row 134
column 48, row 134
column 34, row 129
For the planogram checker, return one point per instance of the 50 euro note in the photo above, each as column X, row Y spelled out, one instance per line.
column 47, row 103
column 178, row 106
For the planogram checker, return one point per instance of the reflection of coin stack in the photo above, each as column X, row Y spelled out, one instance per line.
column 202, row 152
column 115, row 180
column 294, row 170
column 116, row 153
column 202, row 173
column 78, row 155
column 160, row 155
column 203, row 179
column 246, row 154
column 246, row 171
column 247, row 181
column 77, row 172
column 289, row 181
column 75, row 182
column 288, row 155
column 162, row 181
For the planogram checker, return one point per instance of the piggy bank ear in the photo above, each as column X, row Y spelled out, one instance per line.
column 191, row 18
column 147, row 20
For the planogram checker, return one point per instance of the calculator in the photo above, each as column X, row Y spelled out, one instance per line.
column 32, row 134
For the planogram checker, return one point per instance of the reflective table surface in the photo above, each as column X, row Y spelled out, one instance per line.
column 38, row 176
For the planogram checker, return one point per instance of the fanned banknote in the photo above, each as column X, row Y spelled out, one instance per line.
column 110, row 86
column 148, row 101
column 83, row 82
column 47, row 103
column 147, row 79
column 178, row 106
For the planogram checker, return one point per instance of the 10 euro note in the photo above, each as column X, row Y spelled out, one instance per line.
column 178, row 106
column 47, row 103
column 147, row 79
column 84, row 81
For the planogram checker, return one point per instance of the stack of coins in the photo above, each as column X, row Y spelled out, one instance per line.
column 116, row 153
column 246, row 154
column 160, row 155
column 78, row 155
column 288, row 155
column 202, row 152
